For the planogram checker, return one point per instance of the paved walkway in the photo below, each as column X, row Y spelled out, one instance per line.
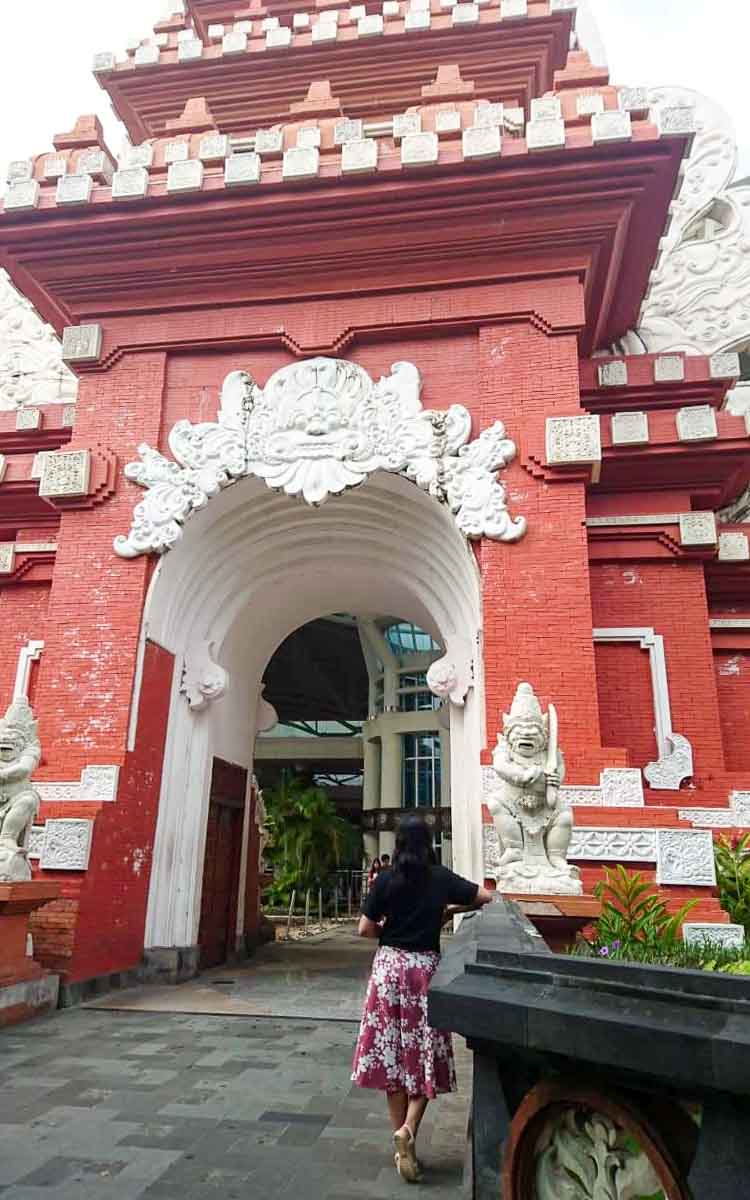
column 172, row 1106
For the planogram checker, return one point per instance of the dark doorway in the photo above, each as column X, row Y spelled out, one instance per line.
column 221, row 871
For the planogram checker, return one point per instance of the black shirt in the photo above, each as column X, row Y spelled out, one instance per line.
column 414, row 915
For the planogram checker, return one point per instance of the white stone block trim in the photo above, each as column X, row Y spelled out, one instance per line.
column 609, row 844
column 27, row 656
column 701, row 933
column 67, row 844
column 685, row 857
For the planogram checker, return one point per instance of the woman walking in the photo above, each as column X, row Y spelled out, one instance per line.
column 397, row 1051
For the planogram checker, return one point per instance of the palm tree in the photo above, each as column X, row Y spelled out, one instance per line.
column 308, row 840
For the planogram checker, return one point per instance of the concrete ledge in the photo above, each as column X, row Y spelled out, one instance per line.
column 73, row 994
column 169, row 964
column 31, row 998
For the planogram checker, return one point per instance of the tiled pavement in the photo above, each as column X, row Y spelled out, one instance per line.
column 126, row 1105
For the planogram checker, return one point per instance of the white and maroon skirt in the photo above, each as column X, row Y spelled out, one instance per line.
column 397, row 1051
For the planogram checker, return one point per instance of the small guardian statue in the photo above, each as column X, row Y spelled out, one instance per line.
column 20, row 753
column 533, row 827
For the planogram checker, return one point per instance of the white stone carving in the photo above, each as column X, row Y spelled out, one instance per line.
column 370, row 26
column 633, row 519
column 81, row 343
column 190, row 50
column 391, row 8
column 137, row 156
column 129, row 183
column 447, row 120
column 481, row 141
column 68, row 416
column 610, row 844
column 612, row 126
column 99, row 784
column 464, row 13
column 27, row 656
column 177, row 151
column 7, row 558
column 243, row 27
column 242, row 169
column 325, row 31
column 147, row 56
column 67, row 844
column 634, row 99
column 265, row 714
column 451, row 676
column 301, row 20
column 234, row 43
column 685, row 857
column 269, row 23
column 347, row 130
column 573, row 441
column 698, row 529
column 215, row 32
column 490, row 114
column 579, row 1143
column 59, row 793
column 278, row 39
column 734, row 547
column 406, row 123
column 309, row 136
column 65, row 473
column 31, row 368
column 54, row 166
column 546, row 108
column 675, row 122
column 613, row 373
column 696, row 424
column 729, row 623
column 358, row 156
column 675, row 762
column 417, row 20
column 203, row 680
column 20, row 753
column 97, row 164
column 20, row 169
column 701, row 933
column 669, row 368
column 29, row 418
column 185, row 176
column 103, row 62
column 533, row 827
column 709, row 818
column 74, row 189
column 34, row 842
column 301, row 162
column 318, row 427
column 622, row 787
column 588, row 797
column 21, row 193
column 545, row 135
column 514, row 8
column 740, row 802
column 630, row 429
column 725, row 366
column 589, row 104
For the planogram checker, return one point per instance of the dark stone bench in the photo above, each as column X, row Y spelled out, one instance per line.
column 571, row 1051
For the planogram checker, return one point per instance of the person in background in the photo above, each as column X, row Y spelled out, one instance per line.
column 375, row 867
column 385, row 862
column 397, row 1051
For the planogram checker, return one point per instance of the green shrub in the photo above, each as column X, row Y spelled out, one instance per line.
column 733, row 878
column 634, row 917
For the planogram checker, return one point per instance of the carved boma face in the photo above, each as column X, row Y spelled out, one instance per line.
column 526, row 739
column 11, row 746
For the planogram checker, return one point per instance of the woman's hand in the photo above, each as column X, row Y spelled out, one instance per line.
column 367, row 928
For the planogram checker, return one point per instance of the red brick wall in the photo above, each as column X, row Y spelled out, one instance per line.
column 626, row 706
column 733, row 686
column 23, row 612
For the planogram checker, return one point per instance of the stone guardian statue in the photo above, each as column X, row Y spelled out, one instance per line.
column 533, row 827
column 20, row 753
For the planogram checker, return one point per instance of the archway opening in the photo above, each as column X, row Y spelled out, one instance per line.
column 253, row 568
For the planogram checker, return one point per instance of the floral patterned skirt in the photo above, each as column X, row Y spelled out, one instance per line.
column 397, row 1050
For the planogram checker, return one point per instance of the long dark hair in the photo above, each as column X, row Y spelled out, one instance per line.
column 413, row 855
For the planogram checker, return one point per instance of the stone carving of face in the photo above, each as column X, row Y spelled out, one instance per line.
column 11, row 746
column 314, row 413
column 526, row 738
column 442, row 678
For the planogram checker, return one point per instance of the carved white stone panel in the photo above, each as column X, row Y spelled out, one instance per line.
column 309, row 137
column 448, row 120
column 301, row 20
column 35, row 842
column 65, row 473
column 129, row 183
column 391, row 8
column 622, row 787
column 97, row 164
column 177, row 151
column 190, row 50
column 359, row 156
column 634, row 99
column 347, row 130
column 613, row 374
column 545, row 135
column 274, row 432
column 301, row 162
column 701, row 933
column 464, row 13
column 674, row 765
column 21, row 193
column 74, row 189
column 586, row 797
column 573, row 440
column 147, row 56
column 419, row 149
column 483, row 141
column 589, row 105
column 185, row 176
column 59, row 793
column 630, row 429
column 38, row 463
column 740, row 802
column 685, row 857
column 66, row 845
column 370, row 26
column 234, row 43
column 514, row 8
column 99, row 784
column 7, row 557
column 709, row 818
column 214, row 147
column 103, row 62
column 81, row 343
column 546, row 108
column 269, row 141
column 612, row 126
column 608, row 844
column 243, row 27
column 242, row 169
column 490, row 852
column 734, row 547
column 357, row 12
column 330, row 16
column 269, row 23
column 29, row 418
column 669, row 368
column 20, row 168
column 406, row 123
column 725, row 366
column 325, row 31
column 216, row 32
column 698, row 529
column 138, row 156
column 677, row 121
column 697, row 423
column 30, row 653
column 278, row 39
column 55, row 166
column 417, row 20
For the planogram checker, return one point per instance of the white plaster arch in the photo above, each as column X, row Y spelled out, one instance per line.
column 249, row 569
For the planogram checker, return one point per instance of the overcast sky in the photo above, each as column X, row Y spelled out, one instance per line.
column 46, row 52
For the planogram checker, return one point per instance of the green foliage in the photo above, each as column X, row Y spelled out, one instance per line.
column 733, row 877
column 307, row 839
column 634, row 916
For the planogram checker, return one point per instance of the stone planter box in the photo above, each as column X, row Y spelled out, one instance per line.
column 641, row 1075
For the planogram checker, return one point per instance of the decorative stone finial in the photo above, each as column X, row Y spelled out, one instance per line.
column 20, row 753
column 196, row 118
column 319, row 101
column 448, row 85
column 85, row 134
column 533, row 827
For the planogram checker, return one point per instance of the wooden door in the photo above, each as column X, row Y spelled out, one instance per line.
column 221, row 870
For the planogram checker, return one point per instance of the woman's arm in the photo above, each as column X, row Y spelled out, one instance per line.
column 368, row 928
column 483, row 896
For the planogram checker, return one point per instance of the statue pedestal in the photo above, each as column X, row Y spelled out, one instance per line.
column 26, row 989
column 559, row 919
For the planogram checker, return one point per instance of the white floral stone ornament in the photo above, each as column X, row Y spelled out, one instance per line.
column 318, row 427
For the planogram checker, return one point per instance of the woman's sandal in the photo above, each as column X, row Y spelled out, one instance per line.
column 405, row 1157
